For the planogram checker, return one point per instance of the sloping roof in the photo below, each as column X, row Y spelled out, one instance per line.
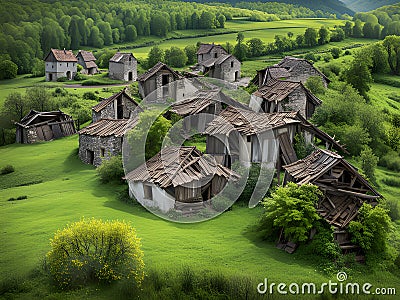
column 109, row 127
column 248, row 122
column 91, row 64
column 206, row 48
column 290, row 62
column 62, row 55
column 86, row 55
column 176, row 166
column 156, row 68
column 34, row 117
column 319, row 162
column 223, row 58
column 277, row 72
column 278, row 90
column 217, row 61
column 203, row 99
column 107, row 101
column 120, row 55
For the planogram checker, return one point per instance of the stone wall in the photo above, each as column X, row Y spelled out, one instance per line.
column 112, row 146
column 60, row 69
column 303, row 71
column 225, row 71
column 107, row 112
column 297, row 101
column 116, row 71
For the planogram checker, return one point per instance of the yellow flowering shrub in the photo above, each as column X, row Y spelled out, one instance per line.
column 94, row 250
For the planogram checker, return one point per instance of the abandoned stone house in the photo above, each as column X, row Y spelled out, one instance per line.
column 60, row 63
column 179, row 178
column 44, row 126
column 252, row 137
column 88, row 62
column 200, row 108
column 284, row 95
column 209, row 51
column 123, row 66
column 158, row 78
column 118, row 106
column 292, row 68
column 103, row 139
column 344, row 190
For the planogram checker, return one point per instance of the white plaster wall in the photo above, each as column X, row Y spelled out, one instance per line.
column 255, row 103
column 161, row 199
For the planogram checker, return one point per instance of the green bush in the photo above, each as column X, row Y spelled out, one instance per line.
column 315, row 85
column 111, row 170
column 336, row 51
column 369, row 162
column 391, row 161
column 391, row 181
column 89, row 96
column 95, row 251
column 79, row 77
column 62, row 79
column 393, row 207
column 323, row 243
column 7, row 169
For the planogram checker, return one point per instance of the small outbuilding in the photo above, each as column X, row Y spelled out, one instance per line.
column 284, row 95
column 88, row 62
column 344, row 189
column 225, row 67
column 119, row 106
column 270, row 73
column 123, row 66
column 44, row 126
column 208, row 51
column 179, row 178
column 103, row 139
column 60, row 63
column 158, row 77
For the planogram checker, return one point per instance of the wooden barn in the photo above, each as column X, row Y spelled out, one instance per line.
column 44, row 126
column 103, row 139
column 210, row 102
column 118, row 106
column 179, row 178
column 159, row 76
column 284, row 95
column 252, row 137
column 344, row 189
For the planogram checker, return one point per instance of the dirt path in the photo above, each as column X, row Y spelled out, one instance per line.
column 79, row 86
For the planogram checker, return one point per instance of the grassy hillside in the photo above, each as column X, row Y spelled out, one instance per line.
column 70, row 190
column 367, row 5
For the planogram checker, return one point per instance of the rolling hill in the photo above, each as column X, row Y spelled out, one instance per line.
column 367, row 5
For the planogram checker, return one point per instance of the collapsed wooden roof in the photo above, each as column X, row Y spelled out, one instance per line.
column 217, row 61
column 176, row 166
column 278, row 90
column 101, row 105
column 37, row 117
column 248, row 122
column 274, row 72
column 157, row 68
column 201, row 101
column 109, row 127
column 345, row 190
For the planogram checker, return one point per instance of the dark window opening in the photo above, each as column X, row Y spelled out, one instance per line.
column 102, row 151
column 215, row 55
column 120, row 109
column 148, row 192
column 130, row 76
column 249, row 138
column 232, row 64
column 165, row 79
column 90, row 156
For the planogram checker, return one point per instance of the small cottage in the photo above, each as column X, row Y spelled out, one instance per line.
column 179, row 178
column 208, row 51
column 158, row 77
column 225, row 67
column 119, row 106
column 60, row 63
column 88, row 62
column 44, row 126
column 248, row 137
column 201, row 107
column 284, row 95
column 301, row 69
column 344, row 189
column 123, row 66
column 103, row 139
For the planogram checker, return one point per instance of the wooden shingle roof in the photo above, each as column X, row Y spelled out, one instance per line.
column 34, row 117
column 202, row 100
column 290, row 63
column 87, row 56
column 101, row 105
column 62, row 55
column 109, row 127
column 278, row 90
column 120, row 56
column 176, row 166
column 156, row 68
column 206, row 48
